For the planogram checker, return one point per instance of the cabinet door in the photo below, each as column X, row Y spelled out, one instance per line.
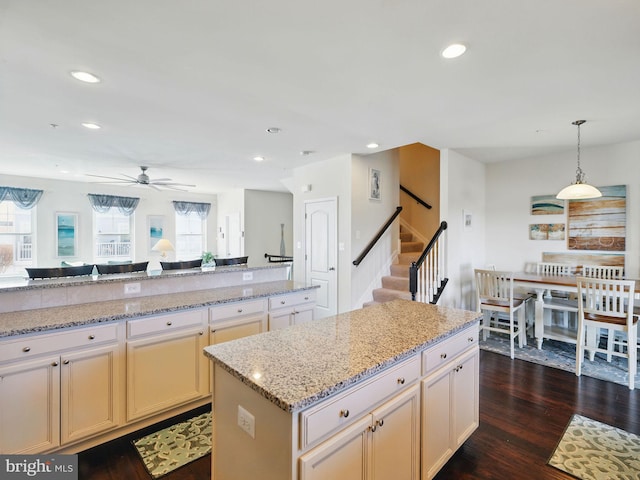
column 280, row 319
column 343, row 456
column 395, row 437
column 90, row 392
column 303, row 314
column 231, row 330
column 437, row 444
column 164, row 371
column 465, row 397
column 30, row 413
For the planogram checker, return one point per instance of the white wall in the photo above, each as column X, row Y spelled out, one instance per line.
column 328, row 179
column 368, row 216
column 510, row 186
column 66, row 196
column 264, row 212
column 462, row 188
column 229, row 203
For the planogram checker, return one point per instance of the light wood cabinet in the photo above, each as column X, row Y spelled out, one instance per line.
column 384, row 445
column 449, row 410
column 237, row 320
column 51, row 398
column 165, row 364
column 291, row 309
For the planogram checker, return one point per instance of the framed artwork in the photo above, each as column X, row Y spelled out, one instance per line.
column 546, row 231
column 156, row 229
column 546, row 205
column 66, row 234
column 467, row 219
column 599, row 223
column 374, row 184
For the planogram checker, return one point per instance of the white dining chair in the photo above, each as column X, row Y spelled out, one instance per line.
column 556, row 301
column 608, row 272
column 606, row 303
column 495, row 295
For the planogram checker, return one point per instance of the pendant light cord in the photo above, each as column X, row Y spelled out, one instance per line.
column 579, row 172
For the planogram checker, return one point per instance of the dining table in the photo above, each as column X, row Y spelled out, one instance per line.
column 540, row 284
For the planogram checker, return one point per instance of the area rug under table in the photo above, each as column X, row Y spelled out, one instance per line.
column 591, row 450
column 175, row 446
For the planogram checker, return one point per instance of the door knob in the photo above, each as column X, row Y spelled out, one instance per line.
column 332, row 268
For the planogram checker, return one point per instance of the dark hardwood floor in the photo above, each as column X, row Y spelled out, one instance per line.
column 524, row 409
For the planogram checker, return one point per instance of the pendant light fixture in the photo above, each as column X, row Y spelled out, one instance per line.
column 579, row 189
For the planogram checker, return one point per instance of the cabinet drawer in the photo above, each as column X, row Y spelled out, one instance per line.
column 291, row 299
column 448, row 349
column 326, row 417
column 236, row 309
column 165, row 323
column 33, row 345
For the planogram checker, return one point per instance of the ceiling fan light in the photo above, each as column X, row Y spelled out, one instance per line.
column 578, row 191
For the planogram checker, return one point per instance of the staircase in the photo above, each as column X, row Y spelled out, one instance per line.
column 396, row 285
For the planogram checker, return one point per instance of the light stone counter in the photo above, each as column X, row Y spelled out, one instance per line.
column 42, row 319
column 303, row 364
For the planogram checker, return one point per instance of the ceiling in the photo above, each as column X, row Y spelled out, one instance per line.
column 189, row 87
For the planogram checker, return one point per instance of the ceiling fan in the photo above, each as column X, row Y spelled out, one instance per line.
column 143, row 179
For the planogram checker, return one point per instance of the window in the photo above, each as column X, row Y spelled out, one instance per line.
column 112, row 236
column 16, row 238
column 190, row 236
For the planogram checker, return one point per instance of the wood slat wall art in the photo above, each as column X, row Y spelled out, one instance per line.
column 599, row 223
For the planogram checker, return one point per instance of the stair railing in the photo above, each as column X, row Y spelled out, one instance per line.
column 427, row 276
column 415, row 197
column 375, row 239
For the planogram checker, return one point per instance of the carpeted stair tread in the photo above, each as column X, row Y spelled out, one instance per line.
column 407, row 258
column 408, row 247
column 406, row 237
column 385, row 295
column 400, row 270
column 395, row 283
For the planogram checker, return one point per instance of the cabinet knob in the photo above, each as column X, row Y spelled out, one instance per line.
column 169, row 323
column 344, row 413
column 470, row 339
column 306, row 298
column 239, row 310
column 92, row 337
column 380, row 422
column 443, row 356
column 66, row 362
column 54, row 364
column 373, row 428
column 201, row 333
column 401, row 380
column 295, row 312
column 282, row 302
column 26, row 349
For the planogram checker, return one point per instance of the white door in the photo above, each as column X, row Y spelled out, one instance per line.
column 321, row 254
column 233, row 244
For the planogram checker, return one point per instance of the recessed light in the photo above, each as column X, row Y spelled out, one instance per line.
column 274, row 130
column 91, row 126
column 372, row 145
column 454, row 50
column 258, row 158
column 85, row 77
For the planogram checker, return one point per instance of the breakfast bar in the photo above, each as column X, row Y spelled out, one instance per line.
column 390, row 389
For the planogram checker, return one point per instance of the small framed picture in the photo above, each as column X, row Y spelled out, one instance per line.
column 66, row 234
column 374, row 184
column 467, row 219
column 156, row 229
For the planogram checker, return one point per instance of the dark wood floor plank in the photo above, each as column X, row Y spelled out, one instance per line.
column 524, row 409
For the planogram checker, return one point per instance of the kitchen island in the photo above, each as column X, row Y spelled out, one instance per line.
column 389, row 391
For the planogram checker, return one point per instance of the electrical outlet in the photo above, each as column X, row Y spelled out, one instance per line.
column 247, row 276
column 130, row 288
column 246, row 422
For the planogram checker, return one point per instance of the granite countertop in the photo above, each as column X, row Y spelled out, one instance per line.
column 30, row 321
column 300, row 365
column 15, row 284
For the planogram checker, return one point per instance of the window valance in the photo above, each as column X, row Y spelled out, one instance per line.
column 185, row 208
column 25, row 198
column 102, row 203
